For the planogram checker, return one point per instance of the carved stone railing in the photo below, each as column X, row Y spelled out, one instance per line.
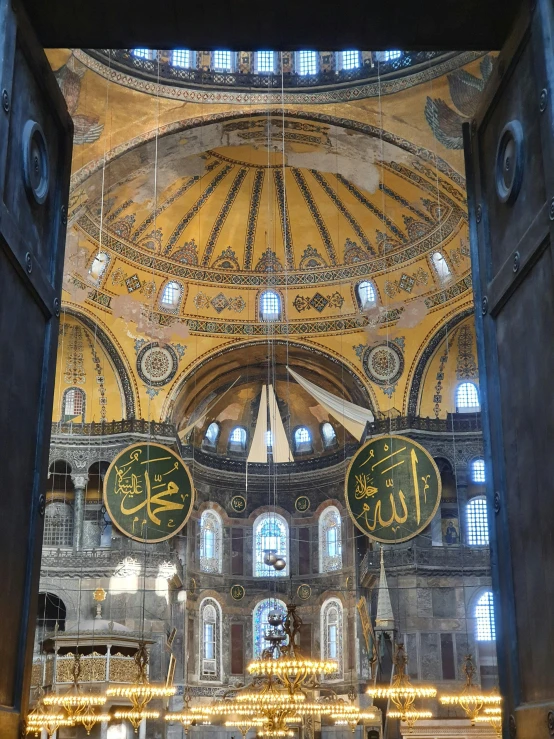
column 454, row 422
column 104, row 562
column 95, row 668
column 161, row 68
column 450, row 560
column 109, row 428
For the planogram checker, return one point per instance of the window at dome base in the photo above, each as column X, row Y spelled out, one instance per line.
column 181, row 58
column 171, row 296
column 222, row 61
column 302, row 440
column 265, row 62
column 328, row 434
column 237, row 439
column 367, row 297
column 350, row 59
column 270, row 306
column 306, row 62
column 143, row 53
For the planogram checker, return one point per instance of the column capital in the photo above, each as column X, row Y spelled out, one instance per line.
column 79, row 481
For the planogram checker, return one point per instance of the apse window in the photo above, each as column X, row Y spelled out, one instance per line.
column 237, row 439
column 350, row 59
column 171, row 295
column 269, row 440
column 181, row 58
column 212, row 434
column 441, row 266
column 222, row 61
column 306, row 62
column 484, row 618
column 477, row 523
column 270, row 306
column 99, row 264
column 478, row 470
column 143, row 53
column 367, row 296
column 73, row 404
column 265, row 62
column 302, row 440
column 467, row 397
column 328, row 435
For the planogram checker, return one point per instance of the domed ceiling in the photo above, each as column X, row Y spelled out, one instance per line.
column 223, row 210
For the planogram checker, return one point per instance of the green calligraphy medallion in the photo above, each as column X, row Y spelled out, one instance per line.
column 392, row 488
column 148, row 492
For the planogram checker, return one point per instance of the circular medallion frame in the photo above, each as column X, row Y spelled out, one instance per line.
column 304, row 591
column 238, row 503
column 119, row 481
column 388, row 354
column 237, row 592
column 153, row 353
column 302, row 503
column 365, row 484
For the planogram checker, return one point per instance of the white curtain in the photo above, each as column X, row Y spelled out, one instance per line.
column 353, row 417
column 258, row 448
column 281, row 447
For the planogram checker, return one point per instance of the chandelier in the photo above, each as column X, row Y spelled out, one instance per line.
column 136, row 716
column 75, row 701
column 471, row 698
column 410, row 717
column 49, row 721
column 142, row 692
column 244, row 724
column 492, row 716
column 401, row 691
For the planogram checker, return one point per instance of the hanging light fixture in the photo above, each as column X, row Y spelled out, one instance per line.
column 401, row 691
column 471, row 698
column 142, row 692
column 493, row 716
column 136, row 716
column 410, row 717
column 89, row 718
column 49, row 721
column 75, row 701
column 244, row 724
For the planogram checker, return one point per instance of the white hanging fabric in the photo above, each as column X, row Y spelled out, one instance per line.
column 258, row 448
column 199, row 421
column 353, row 417
column 280, row 443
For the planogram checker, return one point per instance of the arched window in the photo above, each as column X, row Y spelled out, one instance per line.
column 210, row 641
column 143, row 53
column 367, row 297
column 265, row 62
column 269, row 440
column 330, row 540
column 58, row 525
column 328, row 435
column 391, row 55
column 211, row 536
column 270, row 306
column 484, row 618
column 477, row 522
column 212, row 434
column 99, row 264
column 350, row 59
column 223, row 61
column 478, row 470
column 181, row 58
column 331, row 635
column 306, row 62
column 237, row 439
column 467, row 397
column 441, row 265
column 302, row 440
column 271, row 532
column 51, row 612
column 260, row 625
column 171, row 296
column 73, row 404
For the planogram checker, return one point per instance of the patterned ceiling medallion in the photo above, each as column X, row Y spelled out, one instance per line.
column 302, row 503
column 383, row 364
column 237, row 592
column 304, row 591
column 157, row 364
column 238, row 503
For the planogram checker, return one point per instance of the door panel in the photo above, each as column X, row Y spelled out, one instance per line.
column 35, row 161
column 510, row 175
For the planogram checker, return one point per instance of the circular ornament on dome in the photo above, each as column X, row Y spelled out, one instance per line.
column 148, row 492
column 392, row 488
column 383, row 364
column 304, row 591
column 157, row 364
column 238, row 503
column 237, row 592
column 302, row 503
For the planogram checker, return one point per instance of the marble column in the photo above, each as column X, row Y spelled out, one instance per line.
column 104, row 730
column 80, row 484
column 462, row 484
column 142, row 729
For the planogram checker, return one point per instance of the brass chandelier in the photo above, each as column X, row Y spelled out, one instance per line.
column 471, row 698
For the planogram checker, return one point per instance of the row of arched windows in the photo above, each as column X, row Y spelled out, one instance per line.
column 302, row 438
column 271, row 534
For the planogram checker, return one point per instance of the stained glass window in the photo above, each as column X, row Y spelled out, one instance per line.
column 330, row 543
column 366, row 294
column 260, row 624
column 270, row 306
column 331, row 630
column 307, row 62
column 271, row 532
column 211, row 531
column 350, row 59
column 484, row 618
column 210, row 643
column 477, row 523
column 478, row 470
column 467, row 397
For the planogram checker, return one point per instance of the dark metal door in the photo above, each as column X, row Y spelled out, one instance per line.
column 510, row 173
column 35, row 161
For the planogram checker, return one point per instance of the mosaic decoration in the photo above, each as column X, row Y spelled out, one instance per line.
column 318, row 302
column 466, row 368
column 157, row 364
column 124, row 226
column 405, row 203
column 148, row 492
column 316, row 215
column 302, row 503
column 102, row 400
column 383, row 364
column 460, row 253
column 237, row 592
column 285, row 221
column 153, row 240
column 311, row 258
column 392, row 488
column 268, row 262
column 222, row 215
column 133, row 283
column 353, row 253
column 226, row 260
column 406, row 282
column 152, row 392
column 74, row 368
column 187, row 254
column 252, row 221
column 304, row 591
column 219, row 303
column 114, row 215
column 238, row 503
